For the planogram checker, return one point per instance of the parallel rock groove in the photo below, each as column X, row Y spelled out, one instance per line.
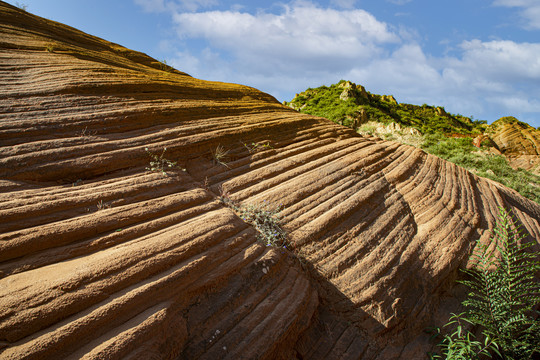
column 102, row 258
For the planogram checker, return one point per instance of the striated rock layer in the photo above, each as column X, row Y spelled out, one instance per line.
column 101, row 258
column 518, row 141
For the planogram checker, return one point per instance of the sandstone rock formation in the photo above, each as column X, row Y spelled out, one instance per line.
column 518, row 141
column 389, row 98
column 353, row 91
column 441, row 111
column 101, row 258
column 358, row 118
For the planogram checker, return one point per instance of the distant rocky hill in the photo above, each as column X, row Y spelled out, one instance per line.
column 119, row 238
column 351, row 105
column 436, row 131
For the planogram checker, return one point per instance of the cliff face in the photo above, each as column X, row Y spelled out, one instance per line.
column 102, row 258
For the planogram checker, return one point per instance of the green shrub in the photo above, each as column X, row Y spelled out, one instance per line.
column 461, row 344
column 158, row 162
column 503, row 294
column 367, row 129
column 264, row 218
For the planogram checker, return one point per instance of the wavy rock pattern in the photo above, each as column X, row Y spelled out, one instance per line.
column 519, row 142
column 100, row 258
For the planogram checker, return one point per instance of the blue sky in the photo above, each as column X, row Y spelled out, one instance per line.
column 474, row 57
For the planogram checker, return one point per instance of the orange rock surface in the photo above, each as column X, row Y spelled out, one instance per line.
column 519, row 142
column 101, row 258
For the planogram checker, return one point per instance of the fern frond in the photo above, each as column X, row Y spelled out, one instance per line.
column 504, row 289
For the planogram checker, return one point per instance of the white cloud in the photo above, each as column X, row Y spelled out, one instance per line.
column 530, row 11
column 518, row 102
column 304, row 45
column 498, row 78
column 503, row 76
column 187, row 62
column 302, row 35
column 407, row 67
column 502, row 60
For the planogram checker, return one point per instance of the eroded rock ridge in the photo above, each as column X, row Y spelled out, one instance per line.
column 102, row 258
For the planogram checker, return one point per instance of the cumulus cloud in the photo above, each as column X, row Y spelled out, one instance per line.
column 503, row 75
column 494, row 78
column 529, row 11
column 302, row 35
column 306, row 22
column 501, row 60
column 304, row 45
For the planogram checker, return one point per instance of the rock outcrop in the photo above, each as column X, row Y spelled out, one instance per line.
column 518, row 141
column 389, row 98
column 441, row 111
column 102, row 258
column 353, row 91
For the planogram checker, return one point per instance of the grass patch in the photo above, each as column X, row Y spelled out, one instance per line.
column 462, row 152
column 101, row 205
column 220, row 156
column 254, row 147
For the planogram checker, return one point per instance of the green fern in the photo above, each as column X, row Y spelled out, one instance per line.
column 503, row 294
column 461, row 344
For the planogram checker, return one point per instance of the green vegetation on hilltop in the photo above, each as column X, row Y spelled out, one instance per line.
column 325, row 102
column 439, row 133
column 349, row 104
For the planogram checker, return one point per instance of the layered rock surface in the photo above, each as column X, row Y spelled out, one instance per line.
column 518, row 141
column 101, row 258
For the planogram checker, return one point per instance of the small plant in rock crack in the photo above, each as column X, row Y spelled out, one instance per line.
column 164, row 66
column 158, row 162
column 267, row 221
column 85, row 132
column 101, row 205
column 220, row 156
column 264, row 218
column 254, row 147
